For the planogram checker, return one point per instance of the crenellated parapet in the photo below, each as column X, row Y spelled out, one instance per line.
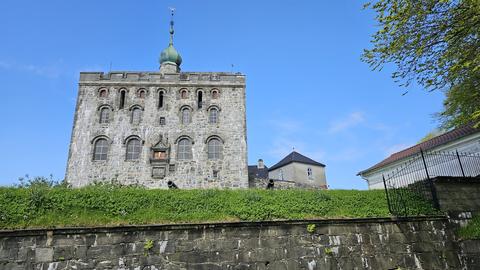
column 214, row 78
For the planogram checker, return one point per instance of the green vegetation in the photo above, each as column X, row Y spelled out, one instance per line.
column 311, row 228
column 43, row 203
column 472, row 230
column 435, row 44
column 147, row 247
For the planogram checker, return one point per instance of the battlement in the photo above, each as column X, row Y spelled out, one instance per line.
column 140, row 76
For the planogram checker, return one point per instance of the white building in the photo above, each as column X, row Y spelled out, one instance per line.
column 301, row 170
column 465, row 139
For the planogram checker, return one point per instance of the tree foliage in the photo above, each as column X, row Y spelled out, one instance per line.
column 435, row 43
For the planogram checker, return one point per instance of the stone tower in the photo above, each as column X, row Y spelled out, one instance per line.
column 155, row 127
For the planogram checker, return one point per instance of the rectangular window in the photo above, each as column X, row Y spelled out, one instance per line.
column 162, row 121
column 159, row 155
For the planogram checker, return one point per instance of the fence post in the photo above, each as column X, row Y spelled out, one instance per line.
column 386, row 193
column 430, row 182
column 459, row 161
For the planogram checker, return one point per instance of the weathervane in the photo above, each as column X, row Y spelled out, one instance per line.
column 172, row 10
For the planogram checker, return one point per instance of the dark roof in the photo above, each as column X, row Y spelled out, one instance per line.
column 255, row 172
column 295, row 157
column 445, row 138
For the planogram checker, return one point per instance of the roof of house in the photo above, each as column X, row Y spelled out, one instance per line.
column 295, row 157
column 256, row 172
column 445, row 138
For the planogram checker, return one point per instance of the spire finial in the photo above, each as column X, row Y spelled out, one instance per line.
column 172, row 31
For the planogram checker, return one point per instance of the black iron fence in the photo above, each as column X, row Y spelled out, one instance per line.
column 409, row 188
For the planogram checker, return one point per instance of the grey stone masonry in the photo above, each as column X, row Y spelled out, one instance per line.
column 458, row 194
column 161, row 112
column 379, row 243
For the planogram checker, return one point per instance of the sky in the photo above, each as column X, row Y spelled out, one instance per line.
column 306, row 85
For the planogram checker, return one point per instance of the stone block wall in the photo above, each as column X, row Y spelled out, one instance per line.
column 470, row 253
column 458, row 194
column 414, row 243
column 160, row 125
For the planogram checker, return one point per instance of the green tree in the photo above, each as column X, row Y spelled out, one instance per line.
column 435, row 43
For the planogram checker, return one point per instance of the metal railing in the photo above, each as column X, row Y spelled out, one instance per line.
column 409, row 188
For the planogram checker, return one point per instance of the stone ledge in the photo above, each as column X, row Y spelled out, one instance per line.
column 188, row 226
column 450, row 179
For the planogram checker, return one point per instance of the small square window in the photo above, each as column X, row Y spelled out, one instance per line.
column 159, row 155
column 215, row 173
column 171, row 168
column 162, row 121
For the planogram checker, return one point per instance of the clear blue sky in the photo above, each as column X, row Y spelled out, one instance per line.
column 306, row 85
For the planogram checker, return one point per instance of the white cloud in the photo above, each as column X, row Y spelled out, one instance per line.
column 396, row 148
column 347, row 154
column 350, row 121
column 50, row 71
column 286, row 126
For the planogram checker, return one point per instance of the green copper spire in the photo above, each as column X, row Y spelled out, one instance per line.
column 170, row 54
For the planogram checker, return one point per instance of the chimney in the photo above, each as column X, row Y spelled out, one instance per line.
column 260, row 165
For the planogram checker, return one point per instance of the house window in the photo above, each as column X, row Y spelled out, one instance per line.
column 185, row 116
column 184, row 149
column 214, row 149
column 141, row 93
column 160, row 99
column 215, row 94
column 134, row 147
column 100, row 149
column 104, row 115
column 136, row 116
column 309, row 173
column 121, row 105
column 213, row 116
column 184, row 94
column 162, row 121
column 103, row 93
column 200, row 99
column 215, row 173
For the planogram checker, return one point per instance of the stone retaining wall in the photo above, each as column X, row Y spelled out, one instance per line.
column 458, row 194
column 379, row 243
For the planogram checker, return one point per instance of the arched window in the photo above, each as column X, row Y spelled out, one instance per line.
column 104, row 115
column 184, row 150
column 103, row 93
column 160, row 99
column 141, row 93
column 134, row 148
column 184, row 94
column 121, row 105
column 214, row 148
column 136, row 116
column 100, row 149
column 215, row 94
column 186, row 115
column 213, row 115
column 200, row 99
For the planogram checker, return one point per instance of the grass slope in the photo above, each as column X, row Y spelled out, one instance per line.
column 27, row 207
column 472, row 230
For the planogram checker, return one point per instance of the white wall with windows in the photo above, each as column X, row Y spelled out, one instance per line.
column 468, row 144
